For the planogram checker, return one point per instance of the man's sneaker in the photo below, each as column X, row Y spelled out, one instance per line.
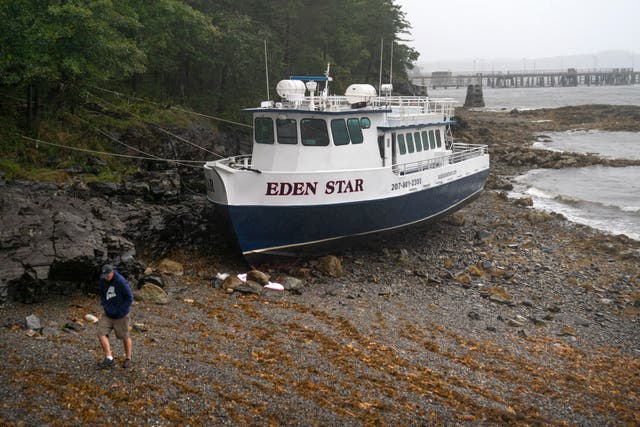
column 127, row 363
column 106, row 363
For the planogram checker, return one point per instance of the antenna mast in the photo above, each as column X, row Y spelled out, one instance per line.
column 391, row 65
column 266, row 68
column 325, row 92
column 380, row 77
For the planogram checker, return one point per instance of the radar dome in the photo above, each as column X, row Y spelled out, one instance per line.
column 291, row 90
column 360, row 93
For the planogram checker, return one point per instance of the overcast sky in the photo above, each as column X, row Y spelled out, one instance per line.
column 495, row 29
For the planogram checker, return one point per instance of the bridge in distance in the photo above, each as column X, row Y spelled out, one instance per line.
column 531, row 78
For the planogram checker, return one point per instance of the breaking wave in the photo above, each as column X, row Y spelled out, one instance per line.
column 601, row 197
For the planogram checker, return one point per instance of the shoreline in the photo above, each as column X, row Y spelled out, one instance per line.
column 516, row 155
column 499, row 315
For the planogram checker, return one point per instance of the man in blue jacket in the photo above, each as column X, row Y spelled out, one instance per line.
column 116, row 298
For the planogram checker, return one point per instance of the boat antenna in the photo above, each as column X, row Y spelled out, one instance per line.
column 325, row 92
column 266, row 68
column 391, row 65
column 380, row 77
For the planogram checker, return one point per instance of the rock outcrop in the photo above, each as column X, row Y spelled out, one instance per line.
column 54, row 237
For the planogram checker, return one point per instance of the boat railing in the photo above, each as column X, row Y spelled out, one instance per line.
column 409, row 104
column 459, row 153
column 424, row 103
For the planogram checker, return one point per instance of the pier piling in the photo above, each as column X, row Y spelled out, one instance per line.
column 474, row 96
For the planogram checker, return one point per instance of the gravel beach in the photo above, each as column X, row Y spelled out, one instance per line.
column 498, row 315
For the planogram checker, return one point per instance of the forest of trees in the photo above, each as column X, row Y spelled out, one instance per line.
column 206, row 54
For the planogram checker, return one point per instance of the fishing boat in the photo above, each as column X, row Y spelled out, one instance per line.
column 325, row 168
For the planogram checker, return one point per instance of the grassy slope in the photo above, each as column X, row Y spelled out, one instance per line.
column 79, row 127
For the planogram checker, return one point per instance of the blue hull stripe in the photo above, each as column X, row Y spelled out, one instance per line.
column 269, row 228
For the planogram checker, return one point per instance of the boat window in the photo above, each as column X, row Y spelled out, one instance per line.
column 381, row 145
column 355, row 131
column 365, row 122
column 438, row 138
column 410, row 143
column 339, row 132
column 287, row 132
column 314, row 132
column 432, row 140
column 416, row 139
column 425, row 140
column 263, row 130
column 401, row 146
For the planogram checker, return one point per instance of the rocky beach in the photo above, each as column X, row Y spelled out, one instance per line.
column 497, row 315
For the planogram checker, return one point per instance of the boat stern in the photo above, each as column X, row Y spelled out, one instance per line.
column 216, row 185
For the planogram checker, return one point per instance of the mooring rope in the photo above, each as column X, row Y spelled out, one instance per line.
column 128, row 156
column 160, row 128
column 175, row 108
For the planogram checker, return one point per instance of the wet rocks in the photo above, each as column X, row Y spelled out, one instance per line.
column 249, row 287
column 517, row 321
column 153, row 294
column 567, row 331
column 154, row 279
column 170, row 267
column 73, row 327
column 104, row 188
column 258, row 276
column 482, row 235
column 498, row 295
column 140, row 327
column 290, row 283
column 32, row 322
column 231, row 283
column 50, row 332
column 456, row 219
column 49, row 240
column 330, row 265
column 523, row 201
column 54, row 238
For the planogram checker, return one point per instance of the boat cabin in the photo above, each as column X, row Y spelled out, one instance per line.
column 357, row 131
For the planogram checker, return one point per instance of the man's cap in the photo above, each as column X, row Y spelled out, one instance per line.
column 106, row 269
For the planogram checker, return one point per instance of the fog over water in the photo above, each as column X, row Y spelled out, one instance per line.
column 521, row 29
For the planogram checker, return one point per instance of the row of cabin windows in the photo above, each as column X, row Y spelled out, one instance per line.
column 312, row 131
column 418, row 141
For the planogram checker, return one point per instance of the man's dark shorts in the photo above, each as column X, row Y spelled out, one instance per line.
column 120, row 326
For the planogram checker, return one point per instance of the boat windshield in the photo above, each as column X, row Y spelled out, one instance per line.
column 314, row 132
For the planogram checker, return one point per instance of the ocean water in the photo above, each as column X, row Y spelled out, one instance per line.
column 496, row 99
column 602, row 197
column 614, row 145
column 605, row 198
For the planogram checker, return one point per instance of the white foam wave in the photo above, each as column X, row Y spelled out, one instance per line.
column 536, row 192
column 631, row 209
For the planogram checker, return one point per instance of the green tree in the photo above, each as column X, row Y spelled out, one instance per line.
column 179, row 43
column 63, row 44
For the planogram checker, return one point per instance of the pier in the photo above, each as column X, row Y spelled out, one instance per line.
column 532, row 78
